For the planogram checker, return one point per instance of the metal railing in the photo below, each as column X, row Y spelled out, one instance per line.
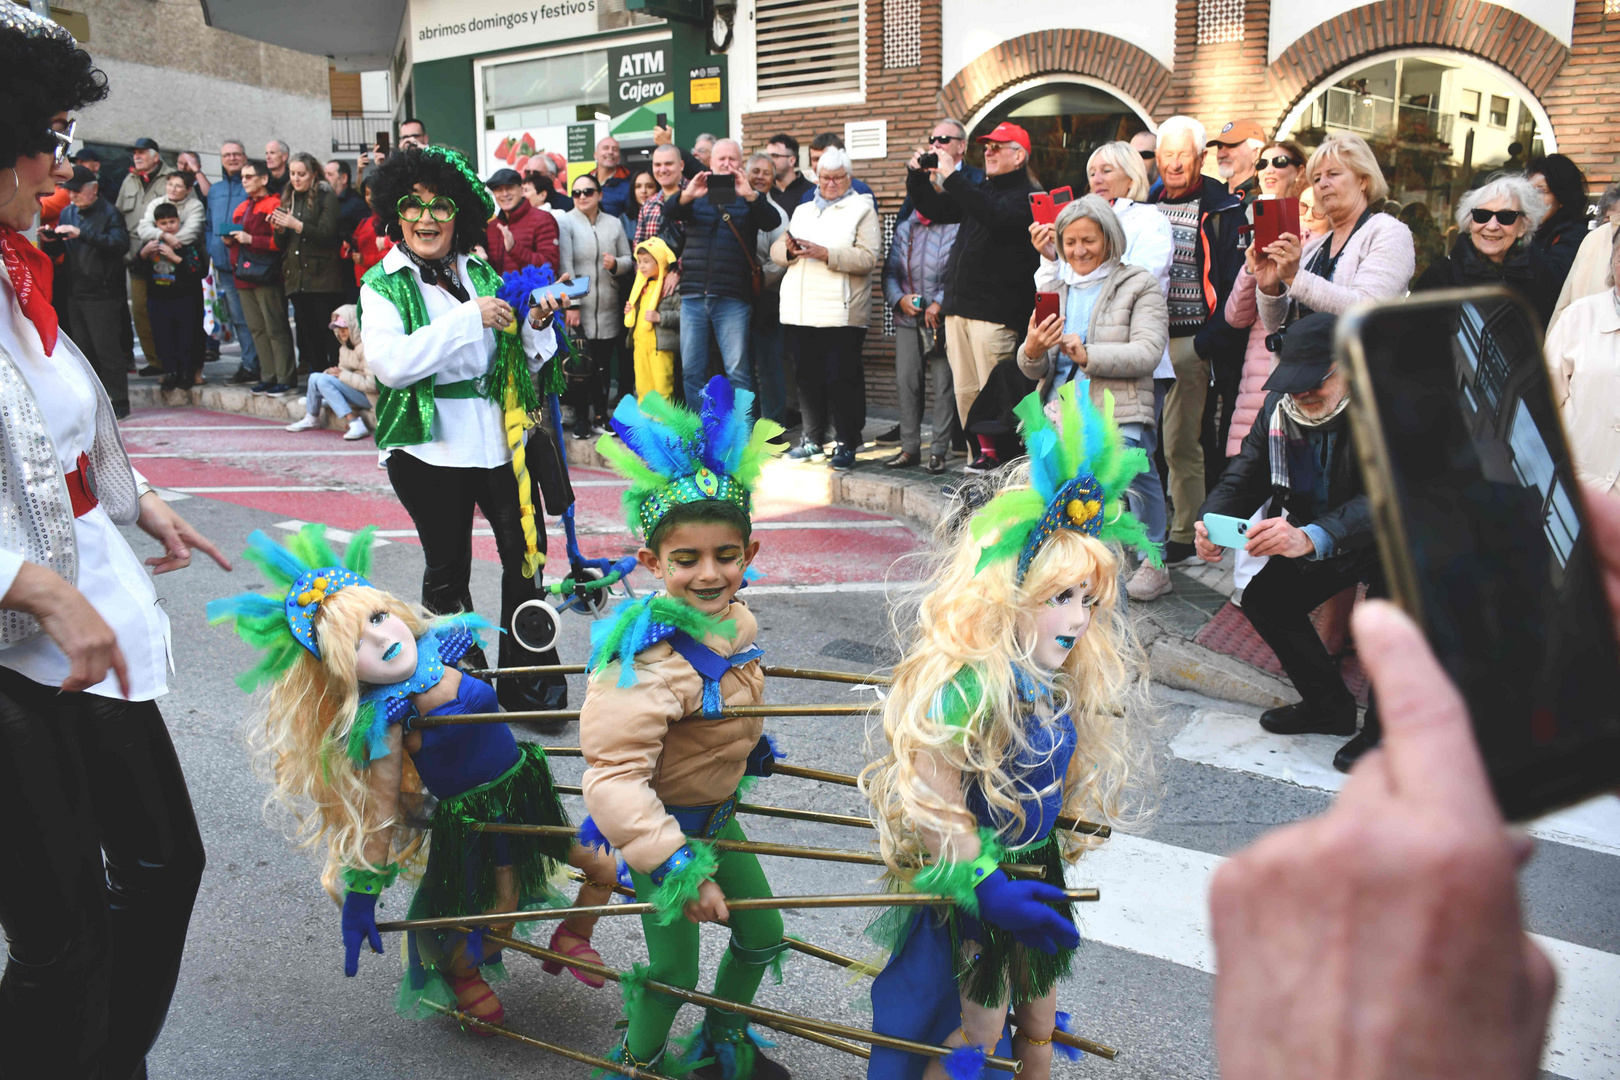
column 357, row 132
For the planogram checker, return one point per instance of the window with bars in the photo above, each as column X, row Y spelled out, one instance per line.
column 902, row 33
column 1220, row 20
column 808, row 47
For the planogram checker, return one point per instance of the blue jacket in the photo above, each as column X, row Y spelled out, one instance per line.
column 714, row 262
column 224, row 197
column 916, row 264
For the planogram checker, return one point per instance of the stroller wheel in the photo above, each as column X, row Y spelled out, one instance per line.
column 534, row 625
column 596, row 600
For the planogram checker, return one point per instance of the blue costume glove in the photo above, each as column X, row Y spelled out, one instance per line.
column 761, row 759
column 1020, row 907
column 359, row 924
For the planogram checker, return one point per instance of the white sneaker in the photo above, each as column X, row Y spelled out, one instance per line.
column 382, row 458
column 303, row 425
column 1148, row 583
column 357, row 430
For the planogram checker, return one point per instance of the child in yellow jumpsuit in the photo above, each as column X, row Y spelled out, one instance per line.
column 650, row 318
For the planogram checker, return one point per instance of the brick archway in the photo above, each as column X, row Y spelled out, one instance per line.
column 1500, row 37
column 1103, row 57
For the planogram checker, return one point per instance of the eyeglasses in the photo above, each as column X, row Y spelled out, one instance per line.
column 1000, row 147
column 943, row 140
column 412, row 208
column 785, row 157
column 1283, row 162
column 1506, row 217
column 64, row 140
column 582, row 192
column 1148, row 155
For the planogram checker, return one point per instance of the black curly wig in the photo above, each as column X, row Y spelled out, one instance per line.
column 402, row 170
column 40, row 76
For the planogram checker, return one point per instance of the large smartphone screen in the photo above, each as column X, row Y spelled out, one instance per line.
column 1484, row 538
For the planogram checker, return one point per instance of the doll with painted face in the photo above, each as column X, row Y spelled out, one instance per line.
column 350, row 669
column 1008, row 710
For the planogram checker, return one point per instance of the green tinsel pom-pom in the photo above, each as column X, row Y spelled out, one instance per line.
column 681, row 887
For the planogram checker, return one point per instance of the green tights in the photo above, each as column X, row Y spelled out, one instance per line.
column 756, row 938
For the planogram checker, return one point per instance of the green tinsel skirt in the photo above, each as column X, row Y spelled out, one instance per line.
column 462, row 865
column 1002, row 970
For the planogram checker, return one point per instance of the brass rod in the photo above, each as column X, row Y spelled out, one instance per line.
column 763, row 902
column 750, row 847
column 771, row 670
column 854, row 1049
column 759, row 1014
column 1078, row 825
column 1108, row 1053
column 561, row 1051
column 767, row 811
column 573, row 714
column 575, row 875
column 831, row 957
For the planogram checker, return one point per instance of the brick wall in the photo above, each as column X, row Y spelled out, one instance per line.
column 1583, row 98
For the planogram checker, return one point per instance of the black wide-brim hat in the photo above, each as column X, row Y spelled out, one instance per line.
column 1306, row 356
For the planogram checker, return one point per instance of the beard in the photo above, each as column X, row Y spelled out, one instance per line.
column 1225, row 169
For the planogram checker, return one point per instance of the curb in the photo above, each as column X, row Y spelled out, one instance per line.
column 910, row 496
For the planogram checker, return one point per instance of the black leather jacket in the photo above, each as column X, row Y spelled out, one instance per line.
column 95, row 258
column 1346, row 517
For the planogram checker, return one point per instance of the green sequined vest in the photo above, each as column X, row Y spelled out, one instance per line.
column 405, row 414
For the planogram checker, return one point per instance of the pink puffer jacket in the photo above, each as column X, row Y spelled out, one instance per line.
column 1241, row 310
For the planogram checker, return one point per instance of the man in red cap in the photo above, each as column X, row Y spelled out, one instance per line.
column 990, row 275
column 1237, row 151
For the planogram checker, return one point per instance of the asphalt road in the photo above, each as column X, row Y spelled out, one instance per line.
column 262, row 994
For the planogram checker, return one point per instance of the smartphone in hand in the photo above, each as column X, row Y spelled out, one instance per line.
column 722, row 189
column 1483, row 533
column 1273, row 217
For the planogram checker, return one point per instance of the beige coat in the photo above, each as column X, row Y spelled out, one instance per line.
column 1129, row 328
column 837, row 292
column 648, row 744
column 1583, row 358
column 352, row 369
column 1590, row 272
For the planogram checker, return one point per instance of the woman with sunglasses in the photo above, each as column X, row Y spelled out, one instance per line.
column 1497, row 221
column 598, row 249
column 100, row 857
column 431, row 320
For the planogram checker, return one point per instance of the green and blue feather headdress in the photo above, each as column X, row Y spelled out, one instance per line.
column 1079, row 471
column 302, row 574
column 673, row 456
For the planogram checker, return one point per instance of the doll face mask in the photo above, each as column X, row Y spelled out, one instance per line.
column 1060, row 623
column 386, row 651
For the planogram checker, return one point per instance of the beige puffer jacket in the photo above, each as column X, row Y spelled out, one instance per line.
column 837, row 292
column 1129, row 328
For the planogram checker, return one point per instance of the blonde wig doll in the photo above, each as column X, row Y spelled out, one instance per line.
column 1009, row 709
column 351, row 670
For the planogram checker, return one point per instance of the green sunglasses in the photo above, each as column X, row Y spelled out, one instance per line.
column 411, row 208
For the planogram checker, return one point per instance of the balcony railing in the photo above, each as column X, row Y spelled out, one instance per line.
column 357, row 132
column 1379, row 117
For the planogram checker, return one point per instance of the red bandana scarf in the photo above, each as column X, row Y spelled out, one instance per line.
column 30, row 271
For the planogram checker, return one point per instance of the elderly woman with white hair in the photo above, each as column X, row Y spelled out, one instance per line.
column 1112, row 328
column 1583, row 356
column 1497, row 220
column 1364, row 255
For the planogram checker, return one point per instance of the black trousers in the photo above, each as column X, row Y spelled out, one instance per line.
column 440, row 501
column 100, row 860
column 1278, row 603
column 176, row 315
column 317, row 345
column 97, row 328
column 831, row 380
column 587, row 391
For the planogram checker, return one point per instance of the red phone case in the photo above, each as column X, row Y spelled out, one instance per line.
column 1046, row 305
column 1046, row 204
column 1273, row 217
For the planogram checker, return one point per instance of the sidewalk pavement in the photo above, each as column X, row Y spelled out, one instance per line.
column 1195, row 637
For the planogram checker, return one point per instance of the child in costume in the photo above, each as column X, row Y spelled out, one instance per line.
column 663, row 764
column 350, row 667
column 1005, row 713
column 654, row 321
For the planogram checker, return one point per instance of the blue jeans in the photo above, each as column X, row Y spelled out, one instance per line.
column 728, row 319
column 1146, row 493
column 335, row 394
column 233, row 302
column 767, row 345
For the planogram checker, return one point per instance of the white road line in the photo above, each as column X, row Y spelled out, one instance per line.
column 268, row 425
column 1155, row 902
column 248, row 489
column 342, row 536
column 253, row 455
column 829, row 587
column 1233, row 741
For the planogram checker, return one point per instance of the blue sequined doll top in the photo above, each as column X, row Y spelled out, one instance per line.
column 459, row 757
column 1037, row 773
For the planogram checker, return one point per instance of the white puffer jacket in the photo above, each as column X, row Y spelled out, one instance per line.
column 837, row 292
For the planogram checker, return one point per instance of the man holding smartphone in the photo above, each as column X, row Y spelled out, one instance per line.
column 1299, row 459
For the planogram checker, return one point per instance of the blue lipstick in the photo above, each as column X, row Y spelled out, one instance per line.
column 1066, row 640
column 393, row 650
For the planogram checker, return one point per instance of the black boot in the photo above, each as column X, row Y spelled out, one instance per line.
column 1307, row 718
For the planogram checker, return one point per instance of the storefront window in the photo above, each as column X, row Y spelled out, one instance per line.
column 1066, row 122
column 553, row 90
column 1439, row 124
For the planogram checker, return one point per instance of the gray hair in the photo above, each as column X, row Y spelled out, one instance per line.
column 238, row 143
column 1606, row 201
column 833, row 159
column 951, row 121
column 706, row 137
column 756, row 156
column 1126, row 160
column 1097, row 209
column 1184, row 125
column 1614, row 246
column 1511, row 186
column 279, row 145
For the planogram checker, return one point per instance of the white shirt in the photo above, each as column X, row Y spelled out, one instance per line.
column 1148, row 244
column 468, row 433
column 111, row 577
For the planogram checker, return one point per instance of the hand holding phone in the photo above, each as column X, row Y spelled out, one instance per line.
column 1046, row 205
column 1226, row 531
column 722, row 188
column 573, row 289
column 1273, row 217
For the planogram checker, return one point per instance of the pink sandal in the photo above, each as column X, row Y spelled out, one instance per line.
column 468, row 984
column 579, row 947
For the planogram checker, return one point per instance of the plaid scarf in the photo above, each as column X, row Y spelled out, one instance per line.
column 1288, row 442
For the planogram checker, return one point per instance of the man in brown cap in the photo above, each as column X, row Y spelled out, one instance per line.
column 1237, row 149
